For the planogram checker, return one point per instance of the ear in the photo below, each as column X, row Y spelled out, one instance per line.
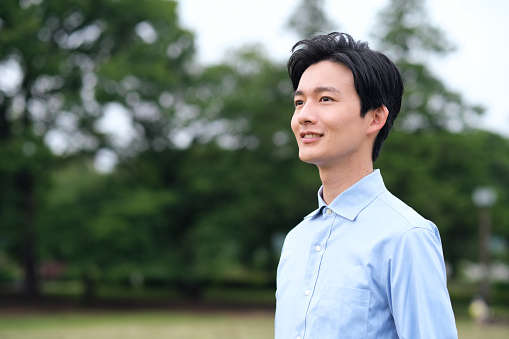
column 377, row 117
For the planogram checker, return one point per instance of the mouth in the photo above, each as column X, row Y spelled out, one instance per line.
column 310, row 137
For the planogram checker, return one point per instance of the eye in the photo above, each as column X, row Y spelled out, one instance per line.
column 298, row 103
column 326, row 99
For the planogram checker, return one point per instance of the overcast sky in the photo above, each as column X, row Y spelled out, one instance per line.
column 479, row 68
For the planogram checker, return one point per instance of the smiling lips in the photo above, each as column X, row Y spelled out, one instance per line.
column 310, row 137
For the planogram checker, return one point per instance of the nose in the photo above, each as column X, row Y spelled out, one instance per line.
column 307, row 114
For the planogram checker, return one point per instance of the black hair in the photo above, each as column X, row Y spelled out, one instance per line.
column 377, row 80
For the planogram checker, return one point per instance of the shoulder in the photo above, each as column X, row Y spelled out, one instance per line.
column 390, row 223
column 394, row 211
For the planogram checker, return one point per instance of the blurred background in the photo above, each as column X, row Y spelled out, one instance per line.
column 146, row 158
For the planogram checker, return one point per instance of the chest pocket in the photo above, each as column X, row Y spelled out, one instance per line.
column 342, row 313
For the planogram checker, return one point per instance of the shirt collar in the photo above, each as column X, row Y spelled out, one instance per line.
column 354, row 199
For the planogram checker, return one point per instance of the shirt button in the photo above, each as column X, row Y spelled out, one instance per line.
column 307, row 292
column 329, row 211
column 318, row 248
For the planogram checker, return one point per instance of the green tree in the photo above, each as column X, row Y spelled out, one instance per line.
column 434, row 157
column 436, row 173
column 309, row 19
column 109, row 226
column 235, row 176
column 269, row 181
column 406, row 35
column 71, row 62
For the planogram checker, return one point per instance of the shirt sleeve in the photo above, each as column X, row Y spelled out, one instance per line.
column 417, row 287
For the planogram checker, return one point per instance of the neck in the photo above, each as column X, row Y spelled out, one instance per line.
column 336, row 180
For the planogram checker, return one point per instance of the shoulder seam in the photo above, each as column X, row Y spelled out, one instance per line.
column 402, row 215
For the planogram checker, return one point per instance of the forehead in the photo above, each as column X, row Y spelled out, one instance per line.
column 326, row 74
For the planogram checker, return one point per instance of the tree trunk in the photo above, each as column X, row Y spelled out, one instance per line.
column 5, row 125
column 89, row 280
column 25, row 185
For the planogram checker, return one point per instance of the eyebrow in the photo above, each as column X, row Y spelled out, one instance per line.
column 319, row 89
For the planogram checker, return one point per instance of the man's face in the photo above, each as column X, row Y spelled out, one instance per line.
column 327, row 122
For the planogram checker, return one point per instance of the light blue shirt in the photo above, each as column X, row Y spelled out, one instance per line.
column 365, row 266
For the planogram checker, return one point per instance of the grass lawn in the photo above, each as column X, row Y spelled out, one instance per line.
column 138, row 325
column 177, row 320
column 176, row 325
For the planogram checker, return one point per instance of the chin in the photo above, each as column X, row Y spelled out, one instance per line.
column 307, row 158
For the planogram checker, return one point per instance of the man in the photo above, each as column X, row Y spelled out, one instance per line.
column 364, row 264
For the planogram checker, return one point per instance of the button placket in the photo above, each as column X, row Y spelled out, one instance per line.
column 316, row 251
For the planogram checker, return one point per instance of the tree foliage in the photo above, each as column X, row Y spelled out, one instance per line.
column 436, row 173
column 70, row 62
column 406, row 34
column 309, row 18
column 208, row 180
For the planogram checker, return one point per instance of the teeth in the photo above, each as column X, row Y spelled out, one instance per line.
column 311, row 136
